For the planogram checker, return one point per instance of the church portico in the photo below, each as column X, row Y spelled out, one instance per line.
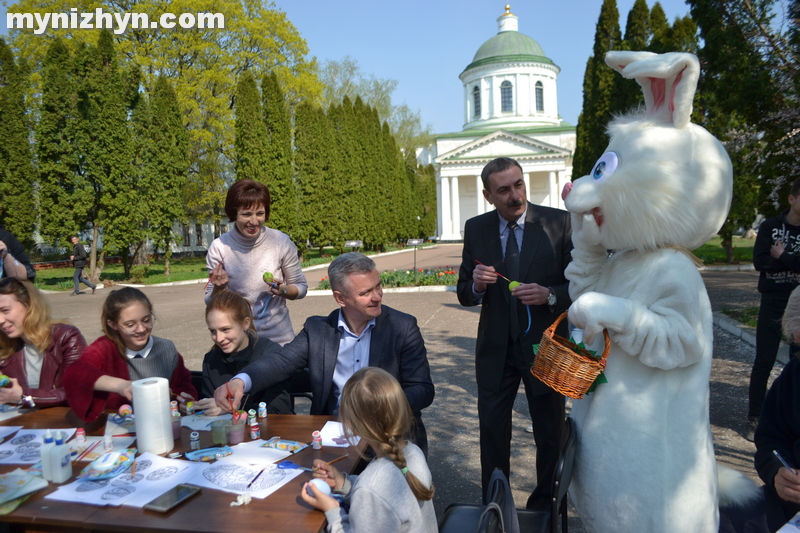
column 510, row 110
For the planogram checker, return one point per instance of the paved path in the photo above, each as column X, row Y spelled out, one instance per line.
column 449, row 331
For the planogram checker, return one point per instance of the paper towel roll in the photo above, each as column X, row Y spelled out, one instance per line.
column 153, row 416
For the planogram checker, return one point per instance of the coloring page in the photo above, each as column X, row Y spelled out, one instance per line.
column 239, row 479
column 25, row 446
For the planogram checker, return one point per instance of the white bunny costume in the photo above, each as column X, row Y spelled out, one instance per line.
column 645, row 460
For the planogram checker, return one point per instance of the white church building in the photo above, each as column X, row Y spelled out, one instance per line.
column 510, row 109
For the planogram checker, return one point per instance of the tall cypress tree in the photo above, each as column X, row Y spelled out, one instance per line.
column 17, row 205
column 283, row 213
column 171, row 164
column 626, row 95
column 64, row 195
column 659, row 29
column 251, row 134
column 598, row 86
column 105, row 141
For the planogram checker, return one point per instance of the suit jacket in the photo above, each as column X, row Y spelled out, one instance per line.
column 545, row 253
column 396, row 346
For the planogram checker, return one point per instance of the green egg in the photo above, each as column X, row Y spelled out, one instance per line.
column 268, row 277
column 513, row 284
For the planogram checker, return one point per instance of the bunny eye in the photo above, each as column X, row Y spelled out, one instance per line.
column 605, row 166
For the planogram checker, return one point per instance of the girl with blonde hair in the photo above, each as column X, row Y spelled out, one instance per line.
column 34, row 350
column 394, row 492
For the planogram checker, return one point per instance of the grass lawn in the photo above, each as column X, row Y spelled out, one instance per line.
column 712, row 253
column 747, row 316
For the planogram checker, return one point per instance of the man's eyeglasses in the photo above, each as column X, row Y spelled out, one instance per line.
column 147, row 322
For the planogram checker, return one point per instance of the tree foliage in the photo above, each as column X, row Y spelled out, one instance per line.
column 278, row 140
column 17, row 207
column 598, row 86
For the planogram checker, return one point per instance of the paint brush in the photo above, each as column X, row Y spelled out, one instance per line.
column 338, row 458
column 496, row 272
column 87, row 450
column 255, row 478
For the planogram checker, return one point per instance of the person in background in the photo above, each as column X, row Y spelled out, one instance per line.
column 35, row 351
column 78, row 258
column 238, row 260
column 776, row 255
column 779, row 430
column 394, row 492
column 230, row 321
column 14, row 261
column 101, row 379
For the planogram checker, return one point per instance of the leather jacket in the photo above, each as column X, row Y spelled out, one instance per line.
column 67, row 346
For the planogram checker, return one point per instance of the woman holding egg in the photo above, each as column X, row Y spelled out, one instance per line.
column 257, row 262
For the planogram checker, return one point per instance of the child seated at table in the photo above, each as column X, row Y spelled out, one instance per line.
column 34, row 350
column 230, row 320
column 101, row 379
column 394, row 492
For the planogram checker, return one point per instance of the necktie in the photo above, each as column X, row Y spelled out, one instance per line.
column 512, row 271
column 138, row 356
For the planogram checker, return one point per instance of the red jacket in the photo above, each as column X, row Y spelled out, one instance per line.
column 67, row 346
column 102, row 358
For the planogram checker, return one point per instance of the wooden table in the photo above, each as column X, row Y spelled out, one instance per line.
column 282, row 511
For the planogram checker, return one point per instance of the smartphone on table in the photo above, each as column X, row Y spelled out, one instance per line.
column 173, row 497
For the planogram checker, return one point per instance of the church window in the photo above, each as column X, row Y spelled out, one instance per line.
column 506, row 97
column 476, row 99
column 539, row 96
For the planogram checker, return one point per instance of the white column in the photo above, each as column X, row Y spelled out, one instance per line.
column 527, row 178
column 551, row 178
column 479, row 199
column 455, row 211
column 444, row 207
column 560, row 187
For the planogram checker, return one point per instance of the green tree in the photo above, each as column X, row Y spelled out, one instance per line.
column 283, row 213
column 65, row 196
column 598, row 86
column 104, row 138
column 626, row 96
column 203, row 65
column 170, row 161
column 345, row 78
column 251, row 133
column 18, row 208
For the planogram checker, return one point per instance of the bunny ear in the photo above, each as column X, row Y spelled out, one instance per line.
column 669, row 79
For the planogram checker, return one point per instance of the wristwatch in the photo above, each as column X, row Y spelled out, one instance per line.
column 551, row 298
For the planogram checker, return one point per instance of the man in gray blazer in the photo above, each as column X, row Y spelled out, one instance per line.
column 362, row 332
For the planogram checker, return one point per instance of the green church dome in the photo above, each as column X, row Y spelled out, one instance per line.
column 508, row 46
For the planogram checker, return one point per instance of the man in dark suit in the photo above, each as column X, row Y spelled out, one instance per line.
column 362, row 332
column 531, row 245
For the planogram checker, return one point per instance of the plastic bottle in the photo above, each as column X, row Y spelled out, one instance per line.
column 47, row 469
column 60, row 460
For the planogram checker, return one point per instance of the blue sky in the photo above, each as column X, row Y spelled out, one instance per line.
column 425, row 45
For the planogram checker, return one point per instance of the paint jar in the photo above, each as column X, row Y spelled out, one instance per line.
column 176, row 425
column 194, row 440
column 255, row 430
column 235, row 431
column 173, row 406
column 80, row 435
column 189, row 408
column 219, row 432
column 316, row 440
column 108, row 443
column 262, row 410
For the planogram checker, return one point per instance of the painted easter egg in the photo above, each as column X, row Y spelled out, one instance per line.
column 268, row 277
column 513, row 285
column 321, row 485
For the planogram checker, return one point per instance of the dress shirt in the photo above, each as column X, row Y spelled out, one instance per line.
column 353, row 355
column 518, row 233
column 144, row 352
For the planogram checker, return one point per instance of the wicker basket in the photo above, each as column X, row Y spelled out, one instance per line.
column 563, row 366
